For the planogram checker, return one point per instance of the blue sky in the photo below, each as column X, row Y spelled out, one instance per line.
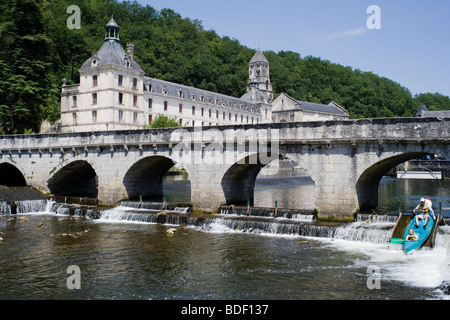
column 412, row 46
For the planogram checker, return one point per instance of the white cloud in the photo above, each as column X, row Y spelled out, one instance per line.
column 345, row 34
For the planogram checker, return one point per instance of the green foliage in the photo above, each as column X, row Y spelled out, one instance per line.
column 162, row 121
column 37, row 51
column 433, row 101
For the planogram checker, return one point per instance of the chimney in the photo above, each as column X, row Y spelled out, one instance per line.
column 130, row 50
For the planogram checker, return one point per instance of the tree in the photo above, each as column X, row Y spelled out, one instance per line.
column 162, row 121
column 37, row 51
column 24, row 61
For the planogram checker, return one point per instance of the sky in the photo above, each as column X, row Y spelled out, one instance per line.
column 403, row 40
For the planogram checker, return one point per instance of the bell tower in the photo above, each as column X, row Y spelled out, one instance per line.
column 259, row 76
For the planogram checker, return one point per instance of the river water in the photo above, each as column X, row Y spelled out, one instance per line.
column 122, row 255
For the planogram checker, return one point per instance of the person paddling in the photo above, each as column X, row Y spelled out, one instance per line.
column 424, row 208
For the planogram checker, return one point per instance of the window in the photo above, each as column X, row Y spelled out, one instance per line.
column 135, row 98
column 180, row 108
column 121, row 116
column 94, row 81
column 203, row 112
column 120, row 98
column 210, row 113
column 266, row 113
column 193, row 110
column 134, row 117
column 74, row 101
column 181, row 122
column 120, row 80
column 193, row 123
column 150, row 103
column 217, row 114
column 242, row 118
column 165, row 105
column 224, row 115
column 135, row 83
column 94, row 116
column 74, row 119
column 235, row 117
column 150, row 119
column 94, row 98
column 229, row 116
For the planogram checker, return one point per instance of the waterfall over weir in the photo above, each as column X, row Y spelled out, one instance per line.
column 24, row 206
column 270, row 221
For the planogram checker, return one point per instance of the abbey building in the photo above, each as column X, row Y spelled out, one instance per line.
column 115, row 94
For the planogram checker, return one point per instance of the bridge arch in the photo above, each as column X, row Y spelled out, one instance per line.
column 369, row 180
column 239, row 181
column 145, row 177
column 77, row 179
column 11, row 176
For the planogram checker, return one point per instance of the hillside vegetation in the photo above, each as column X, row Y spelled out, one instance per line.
column 38, row 50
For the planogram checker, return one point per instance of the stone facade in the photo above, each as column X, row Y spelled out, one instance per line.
column 115, row 94
column 287, row 109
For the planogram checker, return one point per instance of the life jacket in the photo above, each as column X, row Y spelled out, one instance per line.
column 412, row 237
column 425, row 209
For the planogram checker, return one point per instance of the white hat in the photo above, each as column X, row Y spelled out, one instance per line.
column 422, row 200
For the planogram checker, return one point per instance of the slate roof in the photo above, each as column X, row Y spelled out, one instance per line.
column 259, row 96
column 259, row 57
column 328, row 108
column 171, row 89
column 111, row 52
column 332, row 107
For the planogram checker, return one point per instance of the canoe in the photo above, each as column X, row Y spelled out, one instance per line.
column 421, row 232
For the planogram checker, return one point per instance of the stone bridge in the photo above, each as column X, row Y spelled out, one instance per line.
column 345, row 159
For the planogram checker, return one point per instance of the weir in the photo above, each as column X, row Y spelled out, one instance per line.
column 290, row 222
column 371, row 228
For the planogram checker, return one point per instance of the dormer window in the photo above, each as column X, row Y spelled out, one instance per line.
column 94, row 59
